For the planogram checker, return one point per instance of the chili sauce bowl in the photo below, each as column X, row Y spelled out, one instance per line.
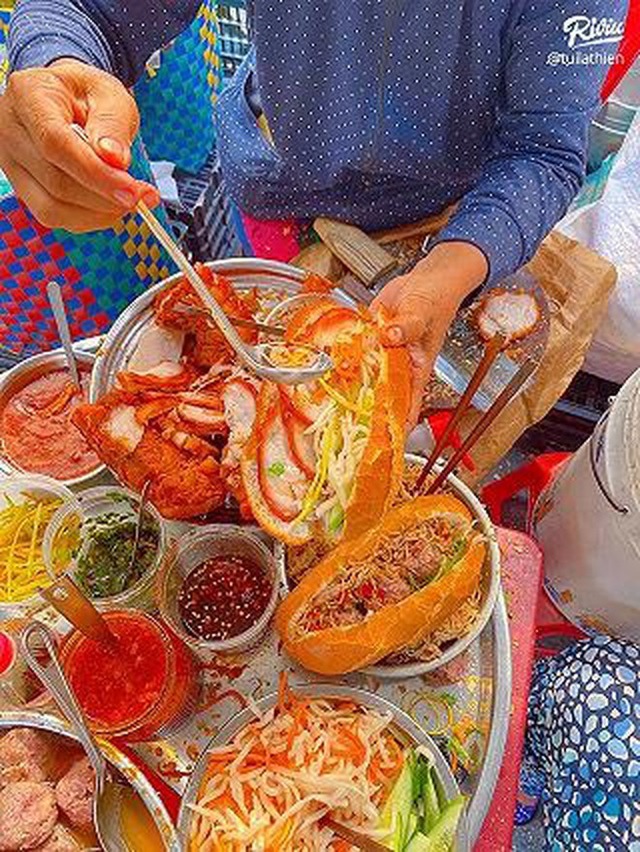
column 187, row 555
column 14, row 380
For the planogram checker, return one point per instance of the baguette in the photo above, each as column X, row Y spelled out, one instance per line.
column 333, row 650
column 291, row 466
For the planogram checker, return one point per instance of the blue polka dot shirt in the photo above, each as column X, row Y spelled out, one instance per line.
column 383, row 111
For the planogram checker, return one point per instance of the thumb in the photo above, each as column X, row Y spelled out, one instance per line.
column 408, row 324
column 112, row 120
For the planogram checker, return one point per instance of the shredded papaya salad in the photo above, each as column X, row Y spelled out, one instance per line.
column 305, row 759
column 342, row 404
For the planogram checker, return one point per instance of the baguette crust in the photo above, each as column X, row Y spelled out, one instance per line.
column 380, row 469
column 338, row 650
column 380, row 472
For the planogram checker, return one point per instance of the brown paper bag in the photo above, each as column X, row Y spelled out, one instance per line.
column 578, row 283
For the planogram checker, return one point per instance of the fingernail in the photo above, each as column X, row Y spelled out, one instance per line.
column 112, row 147
column 125, row 197
column 150, row 198
column 395, row 335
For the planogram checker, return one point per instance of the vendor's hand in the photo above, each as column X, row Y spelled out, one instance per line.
column 422, row 304
column 60, row 178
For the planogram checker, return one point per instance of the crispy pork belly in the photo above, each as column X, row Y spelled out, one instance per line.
column 514, row 313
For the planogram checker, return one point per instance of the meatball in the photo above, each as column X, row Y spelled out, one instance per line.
column 28, row 745
column 26, row 770
column 74, row 794
column 28, row 814
column 60, row 841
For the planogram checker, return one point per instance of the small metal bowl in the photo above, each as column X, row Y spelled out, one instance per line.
column 14, row 489
column 404, row 728
column 117, row 759
column 21, row 375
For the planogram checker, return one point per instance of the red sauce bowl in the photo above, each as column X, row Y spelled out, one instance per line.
column 39, row 456
column 144, row 686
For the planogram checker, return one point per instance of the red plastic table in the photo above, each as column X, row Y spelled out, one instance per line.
column 522, row 581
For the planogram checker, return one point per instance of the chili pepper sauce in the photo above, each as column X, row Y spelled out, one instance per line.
column 36, row 432
column 224, row 597
column 135, row 687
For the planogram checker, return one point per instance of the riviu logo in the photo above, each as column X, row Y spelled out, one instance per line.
column 582, row 31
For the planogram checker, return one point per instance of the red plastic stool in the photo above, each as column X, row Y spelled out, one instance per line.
column 533, row 478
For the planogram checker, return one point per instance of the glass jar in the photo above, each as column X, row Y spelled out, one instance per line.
column 192, row 551
column 142, row 687
column 69, row 536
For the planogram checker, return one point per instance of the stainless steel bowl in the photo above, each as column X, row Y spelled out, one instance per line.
column 52, row 724
column 26, row 371
column 490, row 587
column 266, row 276
column 404, row 727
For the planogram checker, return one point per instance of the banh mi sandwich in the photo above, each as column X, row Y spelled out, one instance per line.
column 325, row 459
column 386, row 590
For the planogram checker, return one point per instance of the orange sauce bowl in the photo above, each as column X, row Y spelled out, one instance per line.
column 143, row 686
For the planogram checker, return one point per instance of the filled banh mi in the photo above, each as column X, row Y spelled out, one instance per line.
column 325, row 459
column 386, row 590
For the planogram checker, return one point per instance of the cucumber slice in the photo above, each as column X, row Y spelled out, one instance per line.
column 443, row 800
column 397, row 810
column 419, row 843
column 430, row 803
column 442, row 835
column 412, row 828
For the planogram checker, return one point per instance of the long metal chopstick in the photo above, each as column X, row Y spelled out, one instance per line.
column 485, row 421
column 491, row 352
column 240, row 322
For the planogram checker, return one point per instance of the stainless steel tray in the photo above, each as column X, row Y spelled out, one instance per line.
column 480, row 694
column 270, row 278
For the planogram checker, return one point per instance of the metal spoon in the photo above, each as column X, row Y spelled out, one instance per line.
column 258, row 358
column 109, row 794
column 60, row 316
column 136, row 539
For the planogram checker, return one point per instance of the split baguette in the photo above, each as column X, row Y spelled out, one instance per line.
column 338, row 650
column 379, row 470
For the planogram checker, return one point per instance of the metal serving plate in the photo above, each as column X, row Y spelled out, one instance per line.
column 46, row 722
column 478, row 690
column 268, row 277
column 403, row 725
